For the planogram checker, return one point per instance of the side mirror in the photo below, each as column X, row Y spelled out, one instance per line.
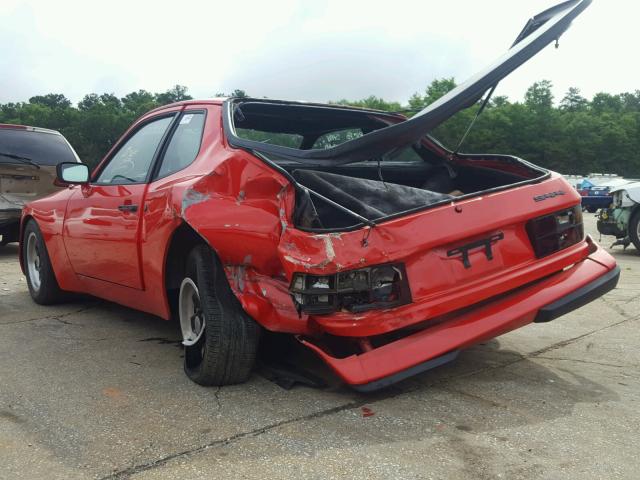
column 71, row 173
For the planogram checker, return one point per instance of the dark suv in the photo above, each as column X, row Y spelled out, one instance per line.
column 28, row 159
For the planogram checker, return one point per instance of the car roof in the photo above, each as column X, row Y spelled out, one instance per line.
column 206, row 101
column 221, row 100
column 10, row 126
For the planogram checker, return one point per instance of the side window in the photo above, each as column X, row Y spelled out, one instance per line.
column 184, row 145
column 283, row 139
column 132, row 161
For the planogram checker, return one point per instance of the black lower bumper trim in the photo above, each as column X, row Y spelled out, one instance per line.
column 580, row 297
column 404, row 374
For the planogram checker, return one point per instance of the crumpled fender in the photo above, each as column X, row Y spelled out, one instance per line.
column 630, row 190
column 241, row 210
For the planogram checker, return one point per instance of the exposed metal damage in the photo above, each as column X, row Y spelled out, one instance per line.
column 193, row 197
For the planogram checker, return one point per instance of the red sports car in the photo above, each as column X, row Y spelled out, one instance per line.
column 352, row 229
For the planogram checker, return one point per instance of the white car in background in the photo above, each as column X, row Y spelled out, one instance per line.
column 622, row 218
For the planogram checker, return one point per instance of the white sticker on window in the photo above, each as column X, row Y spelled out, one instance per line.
column 186, row 119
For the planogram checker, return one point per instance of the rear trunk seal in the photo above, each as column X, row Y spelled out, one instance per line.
column 387, row 218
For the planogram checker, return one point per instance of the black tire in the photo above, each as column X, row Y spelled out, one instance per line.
column 592, row 209
column 48, row 292
column 634, row 229
column 226, row 352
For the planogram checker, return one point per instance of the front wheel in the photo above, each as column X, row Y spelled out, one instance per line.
column 41, row 280
column 220, row 340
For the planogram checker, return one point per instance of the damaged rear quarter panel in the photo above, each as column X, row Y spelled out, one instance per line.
column 241, row 209
column 439, row 283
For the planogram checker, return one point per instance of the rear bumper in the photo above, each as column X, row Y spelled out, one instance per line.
column 541, row 302
column 580, row 297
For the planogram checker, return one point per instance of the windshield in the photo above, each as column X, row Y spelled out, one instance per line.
column 40, row 147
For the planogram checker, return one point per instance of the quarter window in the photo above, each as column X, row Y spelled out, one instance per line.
column 132, row 161
column 184, row 145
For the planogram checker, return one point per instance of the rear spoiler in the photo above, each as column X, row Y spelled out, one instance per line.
column 539, row 32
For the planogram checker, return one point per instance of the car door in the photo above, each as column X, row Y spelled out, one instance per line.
column 102, row 220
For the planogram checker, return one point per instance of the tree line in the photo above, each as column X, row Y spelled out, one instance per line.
column 573, row 135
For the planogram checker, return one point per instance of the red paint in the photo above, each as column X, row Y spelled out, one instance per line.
column 103, row 239
column 367, row 412
column 243, row 209
column 460, row 331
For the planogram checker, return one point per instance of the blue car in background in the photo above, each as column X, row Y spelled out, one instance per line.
column 596, row 198
column 596, row 193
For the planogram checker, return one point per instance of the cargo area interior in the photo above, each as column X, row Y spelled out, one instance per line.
column 418, row 175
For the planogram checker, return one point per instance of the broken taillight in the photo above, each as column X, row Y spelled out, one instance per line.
column 381, row 286
column 556, row 231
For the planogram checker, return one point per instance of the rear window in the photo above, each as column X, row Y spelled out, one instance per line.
column 292, row 140
column 43, row 148
column 303, row 126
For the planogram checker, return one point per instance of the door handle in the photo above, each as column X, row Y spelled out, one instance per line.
column 128, row 208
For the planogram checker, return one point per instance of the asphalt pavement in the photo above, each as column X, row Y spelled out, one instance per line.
column 90, row 390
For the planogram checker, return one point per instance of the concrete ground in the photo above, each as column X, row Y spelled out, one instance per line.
column 94, row 390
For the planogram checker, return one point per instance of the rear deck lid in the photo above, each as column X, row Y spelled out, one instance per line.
column 538, row 32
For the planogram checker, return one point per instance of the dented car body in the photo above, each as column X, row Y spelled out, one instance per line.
column 381, row 250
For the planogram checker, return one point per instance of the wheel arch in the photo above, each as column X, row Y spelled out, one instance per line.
column 23, row 223
column 183, row 239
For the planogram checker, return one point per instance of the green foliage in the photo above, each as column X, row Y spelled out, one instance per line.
column 573, row 101
column 238, row 93
column 176, row 94
column 579, row 136
column 373, row 102
column 96, row 123
column 433, row 92
column 576, row 136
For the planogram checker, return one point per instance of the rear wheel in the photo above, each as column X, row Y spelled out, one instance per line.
column 41, row 280
column 634, row 229
column 220, row 339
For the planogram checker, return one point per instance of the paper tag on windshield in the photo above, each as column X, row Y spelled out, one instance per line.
column 186, row 119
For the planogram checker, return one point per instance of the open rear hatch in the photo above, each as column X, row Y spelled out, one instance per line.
column 355, row 167
column 539, row 32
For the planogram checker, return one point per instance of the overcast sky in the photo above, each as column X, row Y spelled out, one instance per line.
column 297, row 49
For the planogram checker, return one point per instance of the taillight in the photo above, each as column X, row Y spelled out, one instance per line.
column 556, row 231
column 381, row 286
